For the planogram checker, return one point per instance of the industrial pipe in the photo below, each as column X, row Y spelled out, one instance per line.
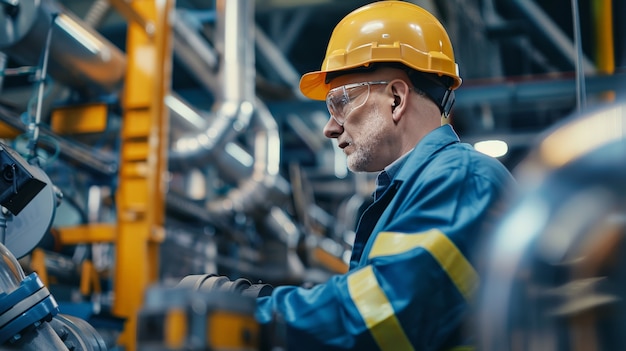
column 234, row 107
column 265, row 187
column 94, row 161
column 79, row 56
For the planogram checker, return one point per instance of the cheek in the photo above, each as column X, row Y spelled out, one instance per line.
column 373, row 127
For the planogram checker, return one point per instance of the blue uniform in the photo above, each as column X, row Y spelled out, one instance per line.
column 412, row 275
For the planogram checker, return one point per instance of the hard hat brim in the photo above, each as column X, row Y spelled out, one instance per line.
column 313, row 85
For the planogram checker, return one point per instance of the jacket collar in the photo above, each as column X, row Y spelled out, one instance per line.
column 429, row 145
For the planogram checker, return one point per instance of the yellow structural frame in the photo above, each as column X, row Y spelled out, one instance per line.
column 140, row 198
column 88, row 118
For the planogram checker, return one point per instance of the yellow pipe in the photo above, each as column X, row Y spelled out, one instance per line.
column 605, row 51
column 91, row 233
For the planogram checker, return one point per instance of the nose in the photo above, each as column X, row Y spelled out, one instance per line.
column 332, row 129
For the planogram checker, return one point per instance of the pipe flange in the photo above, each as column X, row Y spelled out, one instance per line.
column 27, row 306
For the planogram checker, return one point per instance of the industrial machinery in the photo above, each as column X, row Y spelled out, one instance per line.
column 146, row 177
column 30, row 318
column 29, row 314
column 138, row 193
column 205, row 312
column 554, row 274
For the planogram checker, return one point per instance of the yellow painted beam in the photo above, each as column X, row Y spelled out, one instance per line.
column 89, row 278
column 89, row 118
column 143, row 160
column 84, row 234
column 131, row 15
column 605, row 51
column 8, row 132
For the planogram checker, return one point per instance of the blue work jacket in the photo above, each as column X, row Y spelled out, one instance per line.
column 412, row 272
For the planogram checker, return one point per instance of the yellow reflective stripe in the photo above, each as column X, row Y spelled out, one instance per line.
column 376, row 311
column 440, row 247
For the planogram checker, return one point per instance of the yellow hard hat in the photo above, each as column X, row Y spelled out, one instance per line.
column 385, row 31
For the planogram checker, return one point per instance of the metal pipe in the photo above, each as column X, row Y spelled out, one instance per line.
column 279, row 224
column 561, row 42
column 33, row 126
column 91, row 160
column 184, row 117
column 234, row 108
column 79, row 56
column 97, row 13
column 41, row 337
column 523, row 92
column 200, row 147
column 260, row 182
column 199, row 58
column 237, row 31
column 581, row 92
column 282, row 66
column 233, row 163
column 62, row 267
column 3, row 66
column 287, row 34
column 265, row 186
column 494, row 20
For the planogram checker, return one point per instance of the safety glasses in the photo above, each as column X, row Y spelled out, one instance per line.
column 341, row 101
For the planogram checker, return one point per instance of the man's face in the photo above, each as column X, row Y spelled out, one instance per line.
column 357, row 121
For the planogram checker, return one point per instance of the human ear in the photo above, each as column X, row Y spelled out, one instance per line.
column 396, row 101
column 399, row 91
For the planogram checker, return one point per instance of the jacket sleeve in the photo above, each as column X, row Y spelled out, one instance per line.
column 414, row 290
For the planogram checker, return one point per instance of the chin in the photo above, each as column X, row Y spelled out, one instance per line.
column 357, row 167
column 354, row 168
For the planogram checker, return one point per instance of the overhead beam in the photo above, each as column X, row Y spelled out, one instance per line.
column 533, row 90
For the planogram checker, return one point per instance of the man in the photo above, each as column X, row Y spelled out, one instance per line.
column 388, row 79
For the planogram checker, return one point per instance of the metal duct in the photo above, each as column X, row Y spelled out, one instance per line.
column 265, row 186
column 198, row 57
column 79, row 57
column 256, row 174
column 226, row 123
column 235, row 100
column 235, row 26
column 233, row 163
column 233, row 115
